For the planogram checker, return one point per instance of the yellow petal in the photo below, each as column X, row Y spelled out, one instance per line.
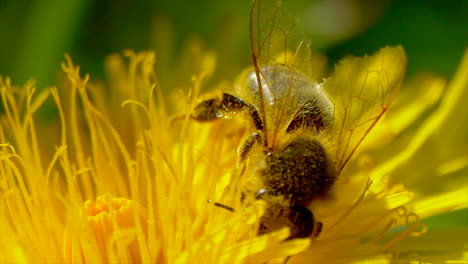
column 454, row 93
column 416, row 96
column 264, row 248
column 440, row 203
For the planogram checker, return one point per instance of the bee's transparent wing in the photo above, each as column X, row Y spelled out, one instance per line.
column 362, row 90
column 273, row 37
column 275, row 45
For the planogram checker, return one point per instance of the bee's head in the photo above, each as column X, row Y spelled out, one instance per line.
column 280, row 213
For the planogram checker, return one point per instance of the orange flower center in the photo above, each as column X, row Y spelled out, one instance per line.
column 118, row 227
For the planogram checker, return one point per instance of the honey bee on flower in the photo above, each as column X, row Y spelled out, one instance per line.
column 303, row 132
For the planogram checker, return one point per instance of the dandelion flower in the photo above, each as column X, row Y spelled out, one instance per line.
column 113, row 181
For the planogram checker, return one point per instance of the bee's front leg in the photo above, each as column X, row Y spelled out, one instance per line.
column 225, row 106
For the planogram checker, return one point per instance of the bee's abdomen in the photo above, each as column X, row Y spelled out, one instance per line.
column 300, row 171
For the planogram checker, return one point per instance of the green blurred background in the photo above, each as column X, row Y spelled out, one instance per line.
column 36, row 33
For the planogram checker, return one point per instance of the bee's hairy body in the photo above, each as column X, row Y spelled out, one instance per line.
column 300, row 171
column 288, row 147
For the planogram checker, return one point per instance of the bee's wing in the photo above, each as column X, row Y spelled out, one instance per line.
column 362, row 90
column 275, row 45
column 273, row 37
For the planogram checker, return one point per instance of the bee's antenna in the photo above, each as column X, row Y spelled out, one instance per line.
column 229, row 208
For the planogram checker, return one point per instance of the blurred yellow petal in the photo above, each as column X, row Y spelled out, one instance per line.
column 445, row 202
column 264, row 248
column 415, row 98
column 454, row 93
column 446, row 246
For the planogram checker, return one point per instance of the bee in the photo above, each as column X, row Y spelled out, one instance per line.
column 303, row 132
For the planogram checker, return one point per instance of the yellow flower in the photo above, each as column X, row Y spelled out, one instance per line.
column 112, row 180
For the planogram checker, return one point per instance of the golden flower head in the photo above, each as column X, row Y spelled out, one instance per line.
column 62, row 205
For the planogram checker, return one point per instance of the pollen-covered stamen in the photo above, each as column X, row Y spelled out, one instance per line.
column 118, row 227
column 413, row 227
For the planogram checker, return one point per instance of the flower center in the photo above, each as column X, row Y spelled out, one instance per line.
column 118, row 227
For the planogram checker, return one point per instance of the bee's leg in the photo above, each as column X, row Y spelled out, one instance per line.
column 215, row 108
column 247, row 145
